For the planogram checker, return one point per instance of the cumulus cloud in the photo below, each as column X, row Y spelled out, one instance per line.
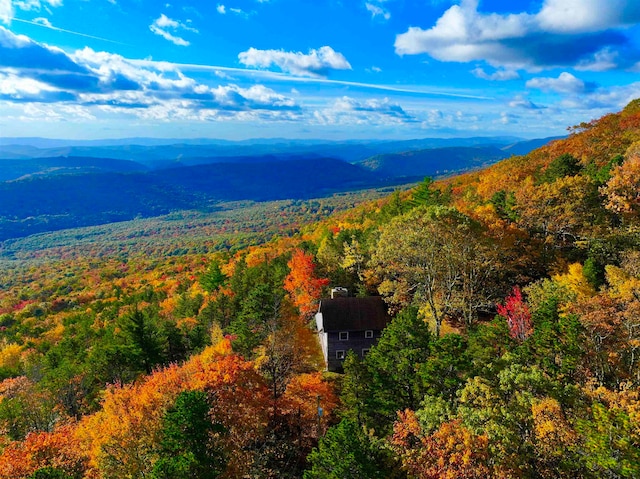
column 36, row 5
column 605, row 59
column 562, row 33
column 34, row 73
column 164, row 26
column 317, row 63
column 221, row 9
column 565, row 83
column 17, row 89
column 43, row 21
column 349, row 111
column 521, row 102
column 6, row 11
column 498, row 75
column 19, row 51
column 580, row 16
column 605, row 99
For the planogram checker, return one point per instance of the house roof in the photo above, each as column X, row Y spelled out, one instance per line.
column 354, row 314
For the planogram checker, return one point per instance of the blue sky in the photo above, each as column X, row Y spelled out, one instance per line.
column 336, row 69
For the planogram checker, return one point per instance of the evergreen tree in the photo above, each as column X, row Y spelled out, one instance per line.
column 188, row 446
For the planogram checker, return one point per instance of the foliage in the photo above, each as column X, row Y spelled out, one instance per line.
column 302, row 284
column 55, row 455
column 437, row 258
column 187, row 446
column 450, row 452
column 564, row 165
column 622, row 189
column 347, row 452
column 517, row 314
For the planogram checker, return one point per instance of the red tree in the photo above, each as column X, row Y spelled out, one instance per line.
column 518, row 316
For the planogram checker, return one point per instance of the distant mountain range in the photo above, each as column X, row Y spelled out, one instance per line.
column 153, row 153
column 47, row 185
column 434, row 162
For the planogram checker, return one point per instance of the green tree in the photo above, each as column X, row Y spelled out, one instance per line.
column 50, row 473
column 212, row 278
column 393, row 365
column 426, row 195
column 504, row 204
column 346, row 452
column 188, row 447
column 447, row 367
column 564, row 165
column 143, row 335
column 356, row 390
column 594, row 272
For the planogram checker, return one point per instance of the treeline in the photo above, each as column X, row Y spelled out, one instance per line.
column 513, row 352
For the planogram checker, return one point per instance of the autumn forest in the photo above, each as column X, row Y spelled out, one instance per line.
column 191, row 351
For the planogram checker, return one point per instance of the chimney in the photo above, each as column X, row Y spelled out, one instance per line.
column 339, row 292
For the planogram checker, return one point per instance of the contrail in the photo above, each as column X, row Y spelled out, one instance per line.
column 291, row 78
column 51, row 27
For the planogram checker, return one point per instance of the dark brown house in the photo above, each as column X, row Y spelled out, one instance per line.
column 349, row 324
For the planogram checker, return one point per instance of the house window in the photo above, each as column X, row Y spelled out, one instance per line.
column 339, row 354
column 368, row 334
column 343, row 335
column 365, row 352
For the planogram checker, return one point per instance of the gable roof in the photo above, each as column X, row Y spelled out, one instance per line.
column 354, row 314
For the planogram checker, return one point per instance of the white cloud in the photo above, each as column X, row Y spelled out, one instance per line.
column 43, row 21
column 12, row 84
column 50, row 114
column 44, row 76
column 498, row 75
column 27, row 5
column 163, row 24
column 349, row 111
column 603, row 60
column 223, row 10
column 606, row 99
column 565, row 83
column 35, row 5
column 6, row 11
column 463, row 34
column 579, row 16
column 316, row 63
column 169, row 37
column 377, row 11
column 507, row 118
column 521, row 102
column 562, row 33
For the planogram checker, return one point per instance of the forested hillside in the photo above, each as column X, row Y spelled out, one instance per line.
column 513, row 352
column 101, row 182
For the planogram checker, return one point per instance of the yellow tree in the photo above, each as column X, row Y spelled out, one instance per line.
column 623, row 189
column 451, row 452
column 554, row 437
